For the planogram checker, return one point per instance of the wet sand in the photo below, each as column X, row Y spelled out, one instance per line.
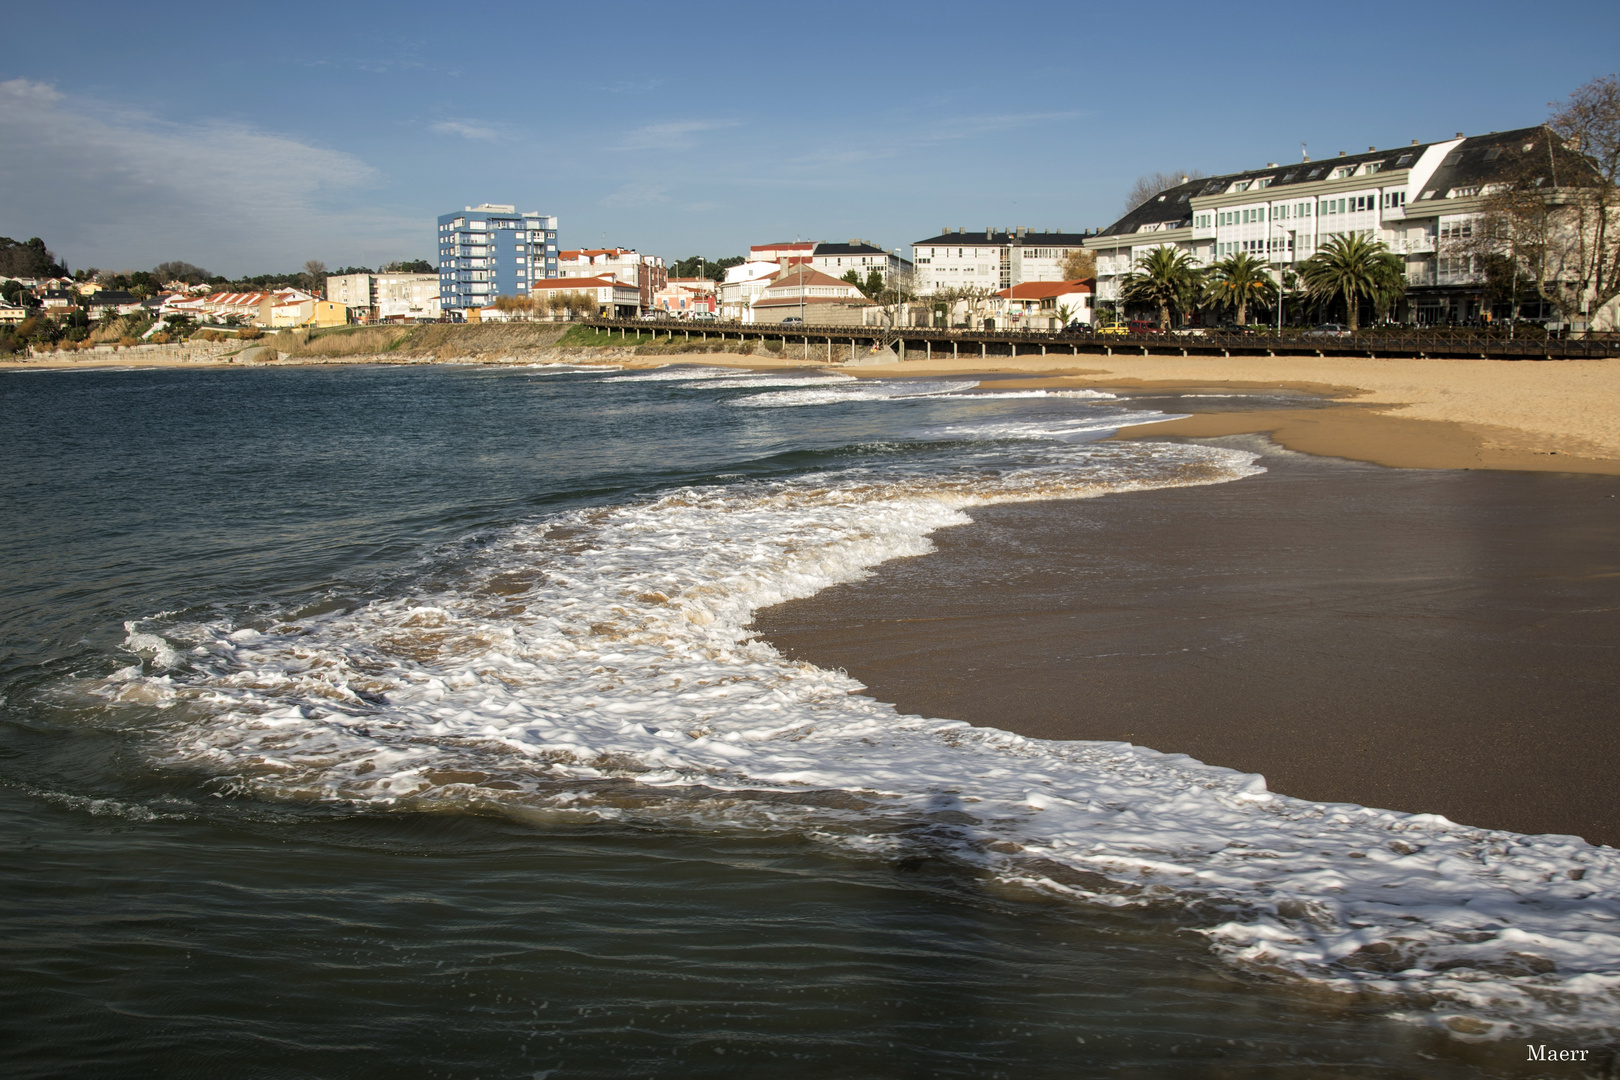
column 1437, row 641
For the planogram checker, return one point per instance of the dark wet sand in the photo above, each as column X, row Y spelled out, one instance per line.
column 1430, row 641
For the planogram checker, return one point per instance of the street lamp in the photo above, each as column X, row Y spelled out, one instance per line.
column 1286, row 248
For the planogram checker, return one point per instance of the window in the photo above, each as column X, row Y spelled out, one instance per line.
column 1493, row 153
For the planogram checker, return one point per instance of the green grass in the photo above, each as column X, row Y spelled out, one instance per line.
column 591, row 337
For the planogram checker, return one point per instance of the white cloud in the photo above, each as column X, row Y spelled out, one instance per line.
column 675, row 135
column 638, row 193
column 117, row 187
column 466, row 129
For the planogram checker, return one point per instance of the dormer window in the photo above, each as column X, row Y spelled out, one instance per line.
column 1265, row 182
column 1374, row 166
column 1341, row 173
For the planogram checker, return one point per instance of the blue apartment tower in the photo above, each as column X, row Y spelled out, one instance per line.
column 492, row 250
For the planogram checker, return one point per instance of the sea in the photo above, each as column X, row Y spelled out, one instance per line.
column 408, row 721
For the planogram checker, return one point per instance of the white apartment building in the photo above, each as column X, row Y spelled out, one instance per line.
column 371, row 297
column 991, row 260
column 406, row 297
column 860, row 256
column 744, row 284
column 1423, row 201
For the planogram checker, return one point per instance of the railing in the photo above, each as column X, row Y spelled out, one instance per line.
column 1522, row 343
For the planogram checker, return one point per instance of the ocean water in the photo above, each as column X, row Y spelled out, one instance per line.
column 380, row 721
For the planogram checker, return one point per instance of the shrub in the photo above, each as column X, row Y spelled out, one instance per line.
column 129, row 342
column 250, row 333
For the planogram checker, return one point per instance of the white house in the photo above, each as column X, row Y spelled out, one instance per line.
column 993, row 259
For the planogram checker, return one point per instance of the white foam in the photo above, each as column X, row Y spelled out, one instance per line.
column 861, row 390
column 763, row 380
column 1096, row 395
column 599, row 663
column 678, row 373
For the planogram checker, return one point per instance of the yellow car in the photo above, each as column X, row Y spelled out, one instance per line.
column 1118, row 328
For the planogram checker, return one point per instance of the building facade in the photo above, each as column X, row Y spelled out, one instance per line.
column 646, row 272
column 491, row 250
column 860, row 256
column 991, row 260
column 614, row 298
column 1423, row 201
column 807, row 294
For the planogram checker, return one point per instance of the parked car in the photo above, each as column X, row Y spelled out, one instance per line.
column 1328, row 329
column 1142, row 326
column 792, row 320
column 1114, row 329
column 705, row 316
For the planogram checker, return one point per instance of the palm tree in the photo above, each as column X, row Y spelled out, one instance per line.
column 1236, row 280
column 1164, row 276
column 1353, row 266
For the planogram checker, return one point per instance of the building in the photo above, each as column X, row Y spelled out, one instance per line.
column 618, row 299
column 1423, row 201
column 646, row 272
column 117, row 301
column 742, row 285
column 491, row 250
column 388, row 297
column 405, row 298
column 358, row 293
column 859, row 256
column 1044, row 305
column 817, row 298
column 992, row 260
column 686, row 296
column 784, row 254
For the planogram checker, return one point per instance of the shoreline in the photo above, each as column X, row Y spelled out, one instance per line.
column 1539, row 416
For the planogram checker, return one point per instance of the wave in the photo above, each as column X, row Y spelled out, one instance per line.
column 599, row 664
column 861, row 390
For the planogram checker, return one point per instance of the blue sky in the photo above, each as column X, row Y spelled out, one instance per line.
column 248, row 138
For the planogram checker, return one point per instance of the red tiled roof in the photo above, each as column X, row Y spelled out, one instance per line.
column 1041, row 290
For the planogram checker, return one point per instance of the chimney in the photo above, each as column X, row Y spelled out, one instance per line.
column 1021, row 231
column 854, row 241
column 1184, row 179
column 1414, row 142
column 946, row 231
column 1460, row 135
column 1271, row 164
column 1372, row 149
column 1341, row 153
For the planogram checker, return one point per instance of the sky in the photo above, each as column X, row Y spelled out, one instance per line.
column 250, row 138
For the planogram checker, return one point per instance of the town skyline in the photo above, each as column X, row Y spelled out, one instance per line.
column 224, row 145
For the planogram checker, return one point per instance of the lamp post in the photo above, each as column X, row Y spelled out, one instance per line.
column 1286, row 248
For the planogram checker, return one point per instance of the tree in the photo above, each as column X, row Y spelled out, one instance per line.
column 315, row 271
column 1080, row 265
column 179, row 271
column 1236, row 280
column 1589, row 225
column 1166, row 277
column 29, row 258
column 1352, row 266
column 415, row 266
column 698, row 266
column 1150, row 184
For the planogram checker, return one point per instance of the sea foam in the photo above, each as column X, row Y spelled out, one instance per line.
column 598, row 663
